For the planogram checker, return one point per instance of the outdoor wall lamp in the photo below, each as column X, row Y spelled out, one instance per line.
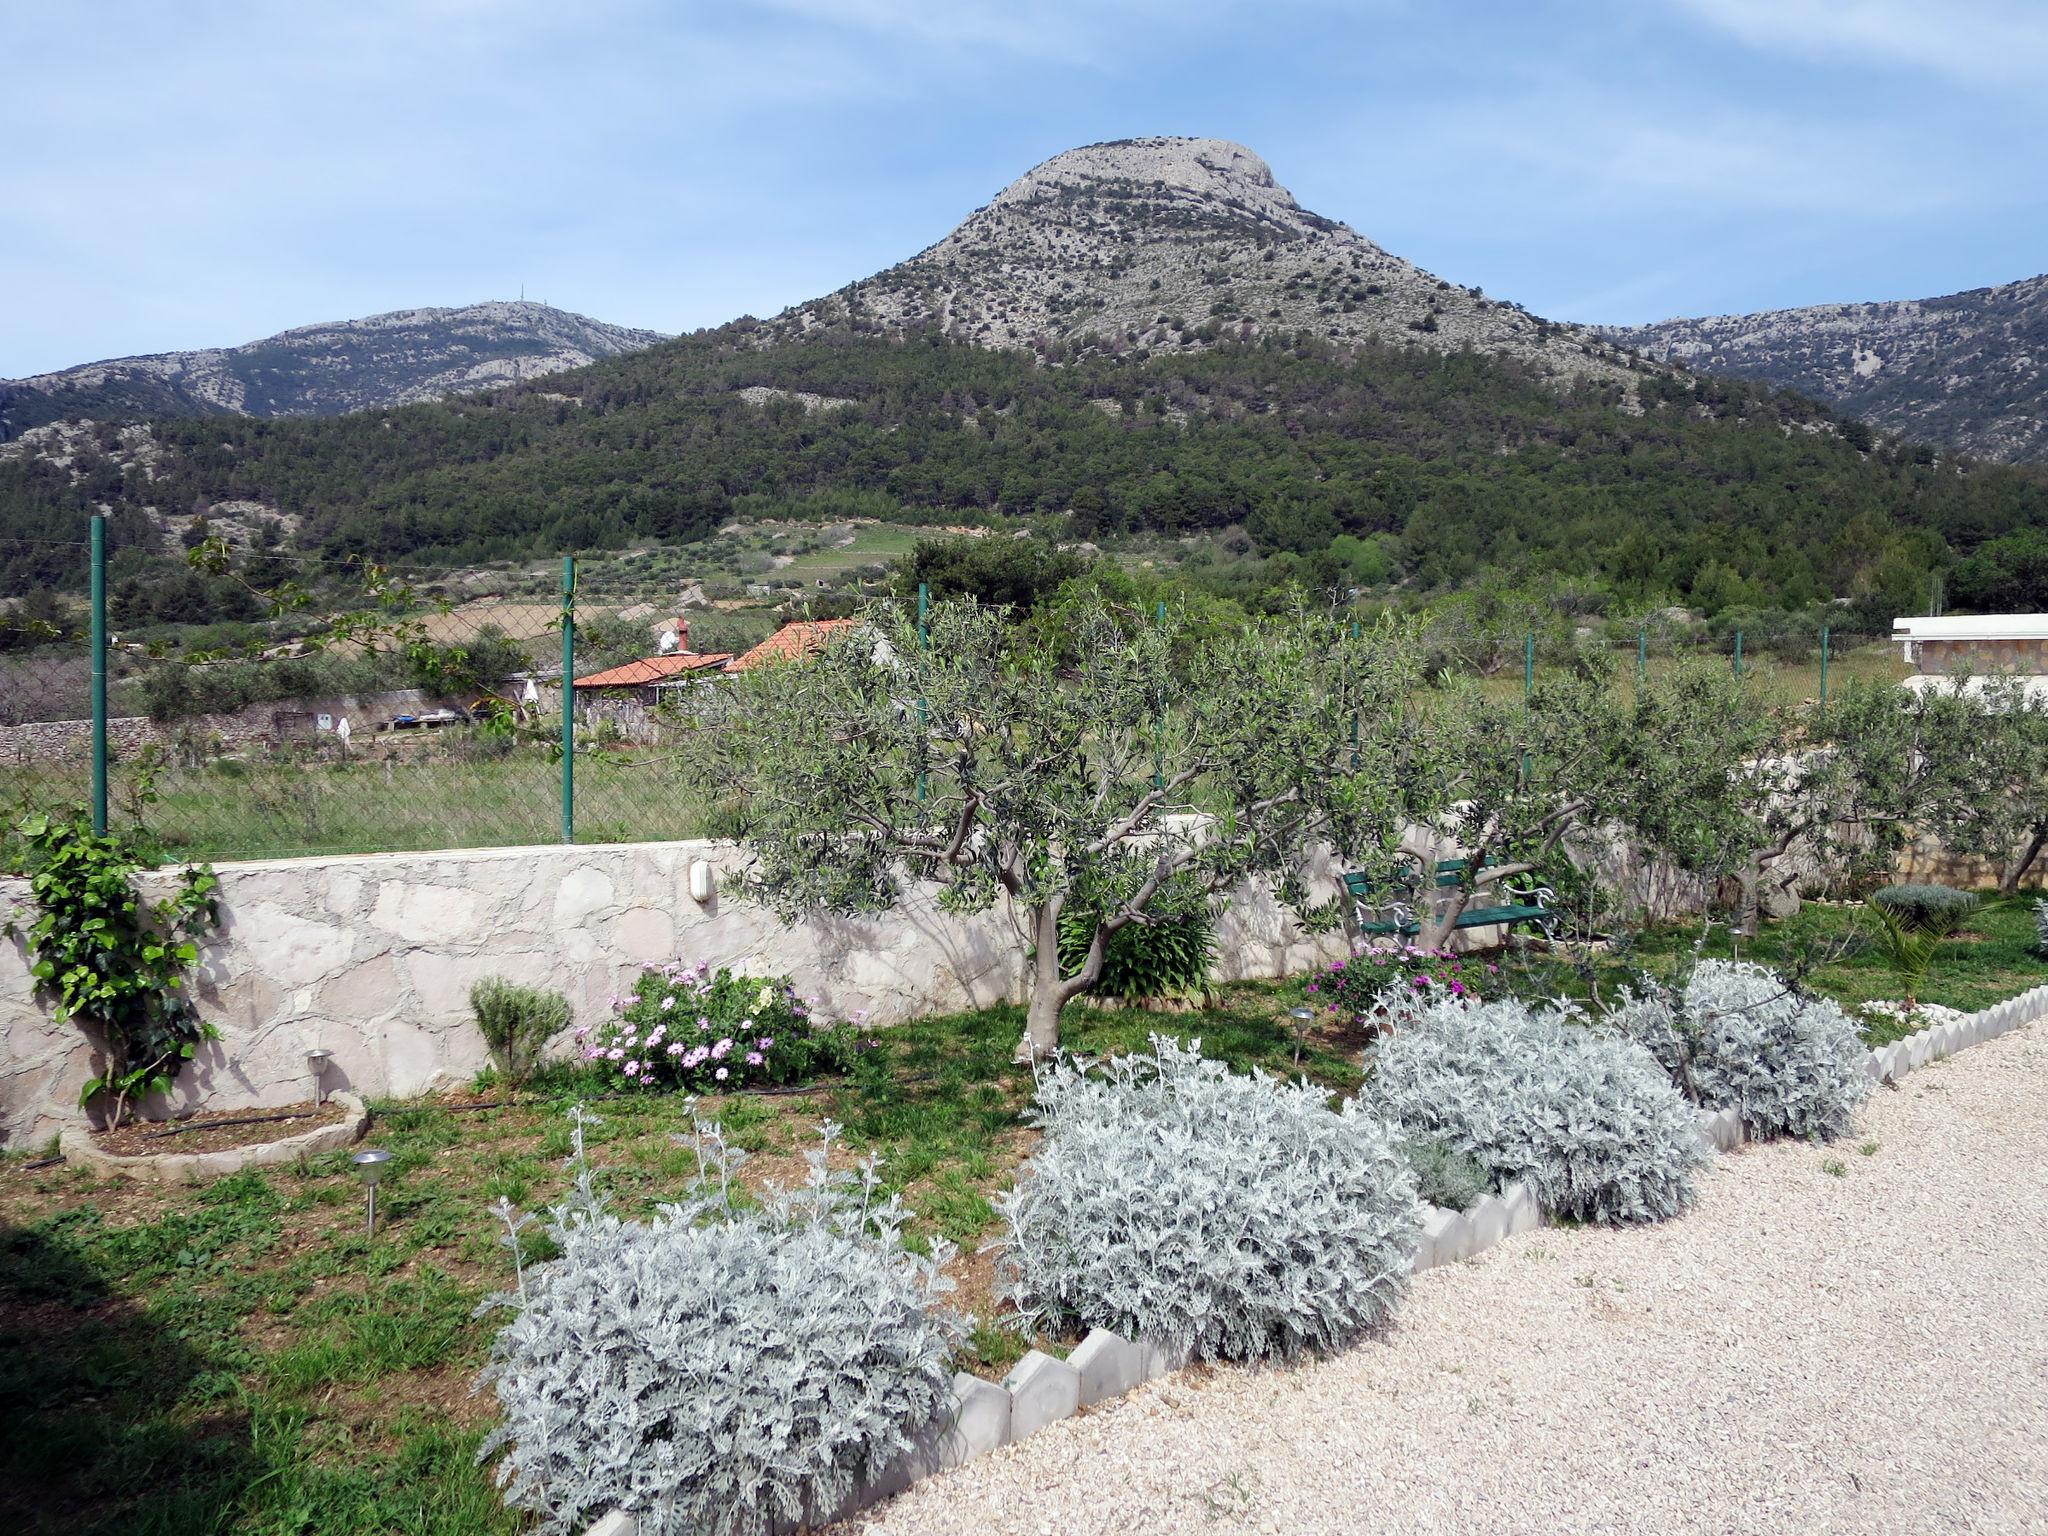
column 371, row 1161
column 703, row 880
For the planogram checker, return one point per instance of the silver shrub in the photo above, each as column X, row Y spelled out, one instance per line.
column 1233, row 1217
column 1585, row 1116
column 717, row 1369
column 1740, row 1036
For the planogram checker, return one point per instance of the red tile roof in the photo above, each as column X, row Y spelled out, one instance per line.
column 792, row 642
column 654, row 669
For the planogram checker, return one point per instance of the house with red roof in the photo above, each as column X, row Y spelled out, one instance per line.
column 792, row 642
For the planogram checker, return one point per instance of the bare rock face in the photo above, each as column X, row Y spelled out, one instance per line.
column 1168, row 244
column 1969, row 370
column 323, row 370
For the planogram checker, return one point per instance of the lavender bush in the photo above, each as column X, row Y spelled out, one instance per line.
column 1233, row 1217
column 718, row 1370
column 1584, row 1115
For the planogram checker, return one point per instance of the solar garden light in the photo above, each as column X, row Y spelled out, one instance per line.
column 371, row 1161
column 316, row 1060
column 1303, row 1017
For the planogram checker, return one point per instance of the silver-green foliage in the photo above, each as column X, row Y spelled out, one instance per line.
column 2041, row 926
column 717, row 1369
column 1740, row 1036
column 1234, row 1217
column 1584, row 1115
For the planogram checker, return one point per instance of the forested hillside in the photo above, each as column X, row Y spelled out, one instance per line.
column 1373, row 466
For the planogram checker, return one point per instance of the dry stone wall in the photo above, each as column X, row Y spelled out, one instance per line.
column 373, row 956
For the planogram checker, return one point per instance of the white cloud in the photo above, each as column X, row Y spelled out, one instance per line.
column 1986, row 41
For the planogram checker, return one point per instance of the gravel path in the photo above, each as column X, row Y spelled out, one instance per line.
column 1862, row 1351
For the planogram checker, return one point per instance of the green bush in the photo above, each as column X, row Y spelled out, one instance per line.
column 1928, row 907
column 517, row 1023
column 1169, row 958
column 1445, row 1176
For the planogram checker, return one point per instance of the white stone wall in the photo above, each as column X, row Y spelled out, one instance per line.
column 373, row 956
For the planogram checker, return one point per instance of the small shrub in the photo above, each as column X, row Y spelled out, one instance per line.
column 2041, row 926
column 1140, row 961
column 1586, row 1117
column 686, row 1027
column 1741, row 1037
column 1237, row 1217
column 717, row 1369
column 516, row 1023
column 1926, row 906
column 1914, row 920
column 1445, row 1176
column 1365, row 986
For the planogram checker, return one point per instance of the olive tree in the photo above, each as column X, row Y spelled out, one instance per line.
column 1118, row 769
column 1512, row 782
column 1998, row 807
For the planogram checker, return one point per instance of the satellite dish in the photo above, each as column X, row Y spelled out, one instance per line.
column 668, row 641
column 530, row 694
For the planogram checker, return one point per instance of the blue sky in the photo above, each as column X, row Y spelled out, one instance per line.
column 211, row 171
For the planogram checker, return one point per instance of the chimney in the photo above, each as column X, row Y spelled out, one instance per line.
column 682, row 635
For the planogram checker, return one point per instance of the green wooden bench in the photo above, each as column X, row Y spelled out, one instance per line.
column 1530, row 903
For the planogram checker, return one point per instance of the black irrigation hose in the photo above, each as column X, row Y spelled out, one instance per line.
column 42, row 1162
column 215, row 1125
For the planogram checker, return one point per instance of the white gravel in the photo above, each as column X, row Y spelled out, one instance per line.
column 1807, row 1351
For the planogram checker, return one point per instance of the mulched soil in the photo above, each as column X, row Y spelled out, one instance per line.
column 215, row 1130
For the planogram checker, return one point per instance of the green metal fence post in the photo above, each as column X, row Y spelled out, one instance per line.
column 1529, row 665
column 924, row 640
column 1354, row 718
column 99, row 673
column 1642, row 654
column 1159, row 724
column 1738, row 653
column 568, row 698
column 1824, row 665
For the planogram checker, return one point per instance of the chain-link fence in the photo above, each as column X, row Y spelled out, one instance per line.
column 330, row 708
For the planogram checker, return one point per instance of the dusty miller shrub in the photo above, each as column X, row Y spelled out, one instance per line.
column 1740, row 1036
column 1234, row 1217
column 716, row 1369
column 2041, row 926
column 1585, row 1116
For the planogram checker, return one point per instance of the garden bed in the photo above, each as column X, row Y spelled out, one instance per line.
column 216, row 1130
column 241, row 1356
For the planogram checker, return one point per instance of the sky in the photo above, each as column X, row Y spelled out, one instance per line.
column 213, row 171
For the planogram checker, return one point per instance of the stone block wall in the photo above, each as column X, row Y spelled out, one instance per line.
column 372, row 956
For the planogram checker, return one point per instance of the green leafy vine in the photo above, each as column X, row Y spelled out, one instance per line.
column 111, row 960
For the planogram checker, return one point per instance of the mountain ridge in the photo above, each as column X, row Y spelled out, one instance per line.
column 1166, row 244
column 1968, row 369
column 327, row 368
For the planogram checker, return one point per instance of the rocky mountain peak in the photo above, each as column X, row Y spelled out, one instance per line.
column 1164, row 244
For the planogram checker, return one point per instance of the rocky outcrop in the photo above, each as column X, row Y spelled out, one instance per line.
column 1969, row 370
column 323, row 370
column 1166, row 244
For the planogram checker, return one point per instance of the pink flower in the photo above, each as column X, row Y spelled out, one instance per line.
column 767, row 1042
column 675, row 1047
column 667, row 1003
column 594, row 1053
column 753, row 1058
column 722, row 1074
column 632, row 1069
column 720, row 1050
column 615, row 1054
column 1313, row 987
column 696, row 1058
column 583, row 1032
